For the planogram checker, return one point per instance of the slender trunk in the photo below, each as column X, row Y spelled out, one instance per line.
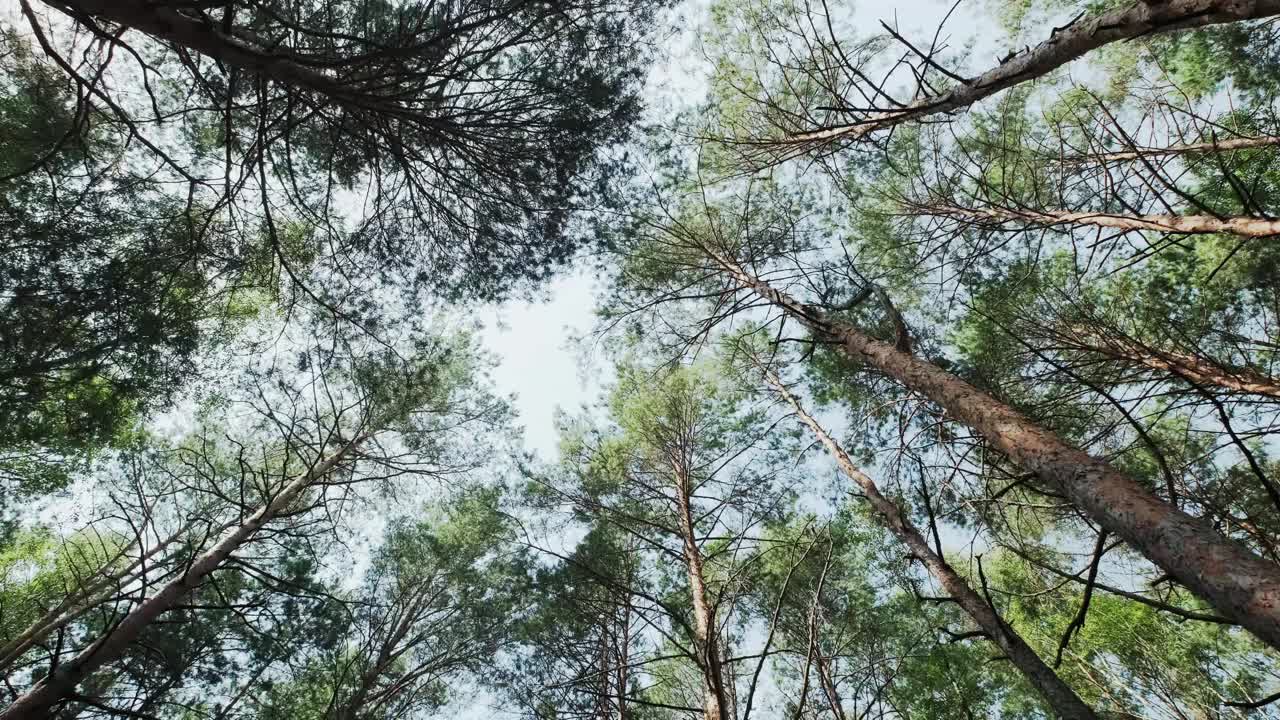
column 388, row 650
column 1183, row 149
column 810, row 651
column 1058, row 694
column 1184, row 365
column 622, row 653
column 604, row 698
column 60, row 683
column 1178, row 224
column 829, row 686
column 1064, row 45
column 1239, row 584
column 715, row 700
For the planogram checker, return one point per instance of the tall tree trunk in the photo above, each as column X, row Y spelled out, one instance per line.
column 409, row 610
column 37, row 701
column 604, row 698
column 716, row 702
column 1179, row 224
column 622, row 651
column 829, row 686
column 1056, row 693
column 1137, row 20
column 1240, row 585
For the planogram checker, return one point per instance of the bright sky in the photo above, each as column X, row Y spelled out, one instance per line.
column 537, row 360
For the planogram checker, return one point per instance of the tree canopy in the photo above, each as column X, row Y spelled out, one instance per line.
column 932, row 366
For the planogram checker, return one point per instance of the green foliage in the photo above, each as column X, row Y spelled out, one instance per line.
column 103, row 302
column 38, row 570
column 1203, row 60
column 1129, row 657
column 470, row 149
column 432, row 606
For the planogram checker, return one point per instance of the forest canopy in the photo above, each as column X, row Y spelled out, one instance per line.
column 930, row 366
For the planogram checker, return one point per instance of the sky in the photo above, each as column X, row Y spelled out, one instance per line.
column 538, row 361
column 534, row 341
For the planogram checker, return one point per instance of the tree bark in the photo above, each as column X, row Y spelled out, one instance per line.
column 1064, row 45
column 1240, row 585
column 1056, row 693
column 1177, row 224
column 78, row 603
column 622, row 653
column 828, row 686
column 41, row 697
column 716, row 703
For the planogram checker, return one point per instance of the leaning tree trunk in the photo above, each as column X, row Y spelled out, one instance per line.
column 716, row 702
column 62, row 681
column 1177, row 224
column 1056, row 693
column 1242, row 586
column 409, row 611
column 1139, row 19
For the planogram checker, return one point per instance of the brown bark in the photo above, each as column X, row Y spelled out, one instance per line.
column 829, row 686
column 1178, row 224
column 59, row 684
column 622, row 652
column 716, row 703
column 1056, row 693
column 1064, row 45
column 389, row 650
column 1239, row 584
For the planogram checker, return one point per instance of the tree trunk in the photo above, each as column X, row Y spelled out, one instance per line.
column 37, row 701
column 1240, row 585
column 1178, row 224
column 716, row 705
column 622, row 654
column 409, row 610
column 829, row 686
column 1056, row 693
column 1064, row 45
